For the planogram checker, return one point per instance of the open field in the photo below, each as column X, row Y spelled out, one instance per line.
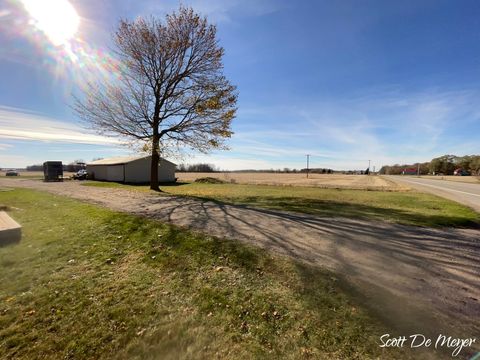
column 403, row 207
column 314, row 180
column 317, row 180
column 87, row 282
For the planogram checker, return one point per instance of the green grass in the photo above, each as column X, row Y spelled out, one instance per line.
column 403, row 207
column 87, row 282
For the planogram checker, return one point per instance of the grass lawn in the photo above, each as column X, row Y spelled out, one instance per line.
column 87, row 282
column 404, row 207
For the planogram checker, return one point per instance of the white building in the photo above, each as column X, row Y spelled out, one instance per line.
column 130, row 169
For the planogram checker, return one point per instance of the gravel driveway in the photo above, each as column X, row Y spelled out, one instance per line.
column 420, row 280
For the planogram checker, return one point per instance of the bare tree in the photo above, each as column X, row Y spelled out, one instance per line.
column 171, row 91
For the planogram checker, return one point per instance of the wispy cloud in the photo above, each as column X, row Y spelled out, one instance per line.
column 95, row 150
column 5, row 146
column 387, row 126
column 216, row 10
column 20, row 124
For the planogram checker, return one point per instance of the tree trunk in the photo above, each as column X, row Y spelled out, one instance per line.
column 154, row 164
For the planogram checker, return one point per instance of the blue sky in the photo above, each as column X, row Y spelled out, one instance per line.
column 344, row 81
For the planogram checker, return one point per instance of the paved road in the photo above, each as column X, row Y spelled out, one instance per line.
column 418, row 279
column 465, row 193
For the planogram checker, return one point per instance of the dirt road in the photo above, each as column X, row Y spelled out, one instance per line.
column 420, row 280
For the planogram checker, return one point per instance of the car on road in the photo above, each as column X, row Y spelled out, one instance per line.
column 11, row 173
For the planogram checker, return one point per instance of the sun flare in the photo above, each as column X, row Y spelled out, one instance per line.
column 57, row 19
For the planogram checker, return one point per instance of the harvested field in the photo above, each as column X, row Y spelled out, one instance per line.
column 317, row 180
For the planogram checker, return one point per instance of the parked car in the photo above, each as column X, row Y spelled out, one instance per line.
column 80, row 175
column 11, row 173
column 461, row 172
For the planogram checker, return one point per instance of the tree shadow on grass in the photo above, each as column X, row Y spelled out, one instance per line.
column 391, row 267
column 392, row 248
column 328, row 208
column 154, row 238
column 448, row 254
column 319, row 289
column 186, row 253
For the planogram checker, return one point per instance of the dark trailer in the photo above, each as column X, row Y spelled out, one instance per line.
column 53, row 171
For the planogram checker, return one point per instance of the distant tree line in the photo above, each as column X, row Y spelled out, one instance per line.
column 270, row 171
column 35, row 167
column 446, row 165
column 398, row 169
column 197, row 168
column 71, row 167
column 213, row 168
column 288, row 171
column 318, row 171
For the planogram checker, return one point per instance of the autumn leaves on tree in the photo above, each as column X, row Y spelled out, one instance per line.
column 170, row 92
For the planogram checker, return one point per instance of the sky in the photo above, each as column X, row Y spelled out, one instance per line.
column 345, row 81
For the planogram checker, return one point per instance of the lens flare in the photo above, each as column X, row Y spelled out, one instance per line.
column 57, row 19
column 57, row 43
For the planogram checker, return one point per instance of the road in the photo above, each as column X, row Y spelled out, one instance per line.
column 464, row 193
column 417, row 279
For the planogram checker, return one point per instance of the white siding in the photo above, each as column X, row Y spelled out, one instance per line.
column 106, row 172
column 99, row 172
column 166, row 171
column 139, row 171
column 115, row 173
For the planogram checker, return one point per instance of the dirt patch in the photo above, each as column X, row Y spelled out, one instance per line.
column 209, row 180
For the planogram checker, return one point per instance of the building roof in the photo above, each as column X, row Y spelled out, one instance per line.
column 120, row 160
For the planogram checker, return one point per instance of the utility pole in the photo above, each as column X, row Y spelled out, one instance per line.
column 308, row 163
column 369, row 167
column 418, row 170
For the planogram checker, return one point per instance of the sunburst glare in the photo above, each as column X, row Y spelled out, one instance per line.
column 57, row 19
column 54, row 28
